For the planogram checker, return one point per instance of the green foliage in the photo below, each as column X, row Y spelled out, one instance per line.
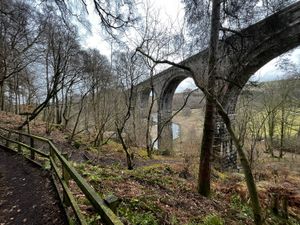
column 142, row 152
column 136, row 217
column 143, row 209
column 13, row 146
column 95, row 174
column 46, row 165
column 82, row 200
column 272, row 219
column 155, row 174
column 244, row 209
column 114, row 146
column 77, row 144
column 174, row 220
column 192, row 223
column 93, row 220
column 213, row 219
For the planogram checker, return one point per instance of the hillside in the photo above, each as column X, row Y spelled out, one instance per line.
column 162, row 190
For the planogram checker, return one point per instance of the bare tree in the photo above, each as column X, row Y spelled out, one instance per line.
column 60, row 47
column 128, row 70
column 20, row 32
column 102, row 81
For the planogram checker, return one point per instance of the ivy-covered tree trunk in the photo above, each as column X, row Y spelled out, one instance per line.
column 210, row 110
column 251, row 186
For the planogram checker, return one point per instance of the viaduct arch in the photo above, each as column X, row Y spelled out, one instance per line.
column 239, row 57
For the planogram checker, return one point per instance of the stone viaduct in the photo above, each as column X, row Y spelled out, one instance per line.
column 239, row 57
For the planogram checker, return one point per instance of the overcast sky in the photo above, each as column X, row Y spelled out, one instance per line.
column 173, row 10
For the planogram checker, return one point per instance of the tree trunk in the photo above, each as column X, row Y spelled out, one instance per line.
column 282, row 130
column 77, row 118
column 37, row 110
column 129, row 156
column 206, row 149
column 210, row 111
column 2, row 96
column 271, row 131
column 57, row 110
column 247, row 171
column 149, row 145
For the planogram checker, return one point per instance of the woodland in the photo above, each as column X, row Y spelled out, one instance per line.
column 52, row 85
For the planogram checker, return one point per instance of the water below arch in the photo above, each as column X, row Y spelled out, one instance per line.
column 175, row 130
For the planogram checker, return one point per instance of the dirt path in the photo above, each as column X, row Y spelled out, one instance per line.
column 26, row 193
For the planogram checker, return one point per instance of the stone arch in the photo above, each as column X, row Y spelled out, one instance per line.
column 143, row 93
column 165, row 141
column 266, row 40
column 144, row 98
column 262, row 42
column 243, row 55
column 141, row 111
column 255, row 47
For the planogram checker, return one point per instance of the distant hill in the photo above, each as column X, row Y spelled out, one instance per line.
column 195, row 101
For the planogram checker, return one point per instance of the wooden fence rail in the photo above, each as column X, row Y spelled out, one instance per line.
column 62, row 173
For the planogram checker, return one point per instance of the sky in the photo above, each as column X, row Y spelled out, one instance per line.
column 173, row 10
column 168, row 10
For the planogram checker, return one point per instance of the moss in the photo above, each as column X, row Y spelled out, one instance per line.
column 157, row 169
column 46, row 165
column 96, row 174
column 156, row 174
column 213, row 219
column 93, row 219
column 138, row 212
column 142, row 152
column 114, row 146
column 82, row 200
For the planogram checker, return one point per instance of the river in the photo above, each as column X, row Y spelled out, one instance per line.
column 175, row 129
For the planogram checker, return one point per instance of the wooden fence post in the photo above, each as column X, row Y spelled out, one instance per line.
column 285, row 204
column 32, row 153
column 51, row 155
column 7, row 141
column 113, row 202
column 19, row 146
column 275, row 203
column 66, row 177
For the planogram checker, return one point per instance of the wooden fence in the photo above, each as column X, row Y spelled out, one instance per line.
column 42, row 151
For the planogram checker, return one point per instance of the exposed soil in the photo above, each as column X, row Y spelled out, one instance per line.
column 26, row 193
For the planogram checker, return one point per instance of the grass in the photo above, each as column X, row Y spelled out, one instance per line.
column 131, row 210
column 213, row 219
